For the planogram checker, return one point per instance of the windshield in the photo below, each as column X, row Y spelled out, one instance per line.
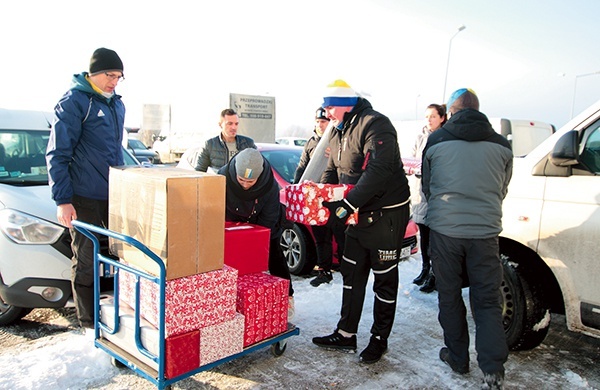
column 136, row 144
column 284, row 162
column 23, row 157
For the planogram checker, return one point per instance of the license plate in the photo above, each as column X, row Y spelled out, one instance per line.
column 405, row 252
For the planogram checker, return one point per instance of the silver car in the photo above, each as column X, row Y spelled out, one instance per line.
column 35, row 252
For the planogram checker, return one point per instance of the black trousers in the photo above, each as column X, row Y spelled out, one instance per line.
column 323, row 242
column 424, row 235
column 451, row 258
column 277, row 263
column 375, row 246
column 94, row 212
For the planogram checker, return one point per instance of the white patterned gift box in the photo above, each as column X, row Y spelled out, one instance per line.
column 221, row 340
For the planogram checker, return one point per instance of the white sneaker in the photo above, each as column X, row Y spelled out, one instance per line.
column 291, row 309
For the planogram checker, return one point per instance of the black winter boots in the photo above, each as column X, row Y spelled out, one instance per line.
column 429, row 285
column 419, row 280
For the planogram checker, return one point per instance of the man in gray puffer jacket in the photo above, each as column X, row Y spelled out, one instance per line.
column 465, row 174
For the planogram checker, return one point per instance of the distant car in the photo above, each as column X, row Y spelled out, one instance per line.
column 298, row 243
column 292, row 141
column 142, row 152
column 35, row 251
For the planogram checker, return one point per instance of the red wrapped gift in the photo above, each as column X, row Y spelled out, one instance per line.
column 247, row 247
column 191, row 302
column 221, row 340
column 412, row 166
column 304, row 202
column 263, row 300
column 180, row 353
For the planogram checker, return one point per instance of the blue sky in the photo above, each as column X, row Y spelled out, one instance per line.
column 521, row 57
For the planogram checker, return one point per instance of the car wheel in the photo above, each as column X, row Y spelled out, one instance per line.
column 293, row 243
column 525, row 312
column 10, row 314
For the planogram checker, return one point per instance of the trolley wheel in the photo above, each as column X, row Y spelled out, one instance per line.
column 278, row 348
column 116, row 363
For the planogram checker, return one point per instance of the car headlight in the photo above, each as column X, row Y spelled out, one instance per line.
column 26, row 229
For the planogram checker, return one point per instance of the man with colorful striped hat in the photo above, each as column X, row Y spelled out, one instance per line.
column 365, row 153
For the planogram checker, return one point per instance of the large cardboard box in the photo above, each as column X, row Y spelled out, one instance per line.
column 178, row 214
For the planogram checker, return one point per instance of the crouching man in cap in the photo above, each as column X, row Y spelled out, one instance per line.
column 365, row 153
column 252, row 196
column 85, row 140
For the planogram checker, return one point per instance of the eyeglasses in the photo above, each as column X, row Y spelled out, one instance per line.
column 113, row 77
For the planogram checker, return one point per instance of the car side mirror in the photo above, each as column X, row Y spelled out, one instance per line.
column 566, row 150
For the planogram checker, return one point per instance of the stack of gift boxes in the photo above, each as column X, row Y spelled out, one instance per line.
column 218, row 297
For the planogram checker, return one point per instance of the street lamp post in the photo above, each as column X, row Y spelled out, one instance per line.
column 462, row 27
column 575, row 88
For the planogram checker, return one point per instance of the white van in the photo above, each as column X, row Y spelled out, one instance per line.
column 523, row 134
column 551, row 231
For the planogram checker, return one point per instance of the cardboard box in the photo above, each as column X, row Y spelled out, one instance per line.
column 304, row 202
column 247, row 247
column 178, row 214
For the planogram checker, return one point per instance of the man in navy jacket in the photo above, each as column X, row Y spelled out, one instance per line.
column 86, row 139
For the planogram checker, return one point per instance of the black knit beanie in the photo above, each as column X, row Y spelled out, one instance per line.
column 105, row 60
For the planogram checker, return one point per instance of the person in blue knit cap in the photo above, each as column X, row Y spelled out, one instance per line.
column 465, row 174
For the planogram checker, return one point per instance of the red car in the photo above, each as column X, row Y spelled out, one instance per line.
column 298, row 243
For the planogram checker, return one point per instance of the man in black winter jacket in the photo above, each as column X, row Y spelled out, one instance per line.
column 252, row 196
column 365, row 153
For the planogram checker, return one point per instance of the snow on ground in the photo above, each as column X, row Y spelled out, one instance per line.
column 70, row 361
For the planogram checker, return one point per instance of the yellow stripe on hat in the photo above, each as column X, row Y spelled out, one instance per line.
column 248, row 173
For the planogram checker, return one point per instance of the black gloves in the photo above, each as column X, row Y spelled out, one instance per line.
column 342, row 209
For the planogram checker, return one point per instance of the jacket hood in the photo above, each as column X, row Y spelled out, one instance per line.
column 469, row 125
column 80, row 83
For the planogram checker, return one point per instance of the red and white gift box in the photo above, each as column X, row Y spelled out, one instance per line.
column 191, row 302
column 222, row 340
column 305, row 202
column 247, row 247
column 263, row 300
column 412, row 166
